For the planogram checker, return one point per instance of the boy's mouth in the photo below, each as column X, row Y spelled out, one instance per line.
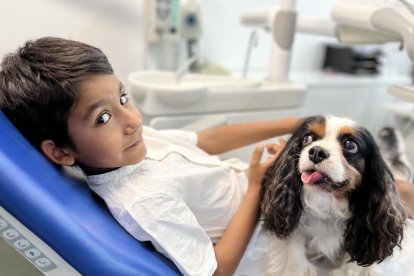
column 135, row 144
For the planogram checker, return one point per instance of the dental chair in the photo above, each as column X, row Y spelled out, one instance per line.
column 58, row 224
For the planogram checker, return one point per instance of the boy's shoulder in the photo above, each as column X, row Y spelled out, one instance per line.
column 171, row 135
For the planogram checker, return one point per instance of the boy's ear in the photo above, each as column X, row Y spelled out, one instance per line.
column 59, row 155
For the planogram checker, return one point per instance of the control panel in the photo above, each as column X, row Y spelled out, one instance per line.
column 20, row 243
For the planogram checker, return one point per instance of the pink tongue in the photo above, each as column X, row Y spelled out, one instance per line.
column 311, row 177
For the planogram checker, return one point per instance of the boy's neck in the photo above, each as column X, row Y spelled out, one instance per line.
column 94, row 171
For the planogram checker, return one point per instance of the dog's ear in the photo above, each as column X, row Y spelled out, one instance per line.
column 376, row 226
column 281, row 199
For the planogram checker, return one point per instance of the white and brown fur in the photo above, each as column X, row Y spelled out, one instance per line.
column 344, row 224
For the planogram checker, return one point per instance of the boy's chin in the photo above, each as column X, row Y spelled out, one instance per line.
column 139, row 154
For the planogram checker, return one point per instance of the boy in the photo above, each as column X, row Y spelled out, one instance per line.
column 162, row 186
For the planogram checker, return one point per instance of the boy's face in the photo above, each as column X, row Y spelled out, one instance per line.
column 104, row 126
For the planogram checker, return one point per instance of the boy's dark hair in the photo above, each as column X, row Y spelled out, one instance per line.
column 39, row 85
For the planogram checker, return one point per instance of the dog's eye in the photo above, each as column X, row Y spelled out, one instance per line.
column 308, row 139
column 350, row 146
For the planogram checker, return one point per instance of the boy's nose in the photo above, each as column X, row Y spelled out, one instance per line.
column 132, row 121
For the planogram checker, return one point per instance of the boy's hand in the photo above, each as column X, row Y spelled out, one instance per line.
column 276, row 149
column 256, row 169
column 229, row 250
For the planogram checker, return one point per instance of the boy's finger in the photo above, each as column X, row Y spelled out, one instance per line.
column 274, row 148
column 270, row 160
column 257, row 154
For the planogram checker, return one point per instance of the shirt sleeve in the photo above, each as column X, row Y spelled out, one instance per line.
column 185, row 135
column 173, row 230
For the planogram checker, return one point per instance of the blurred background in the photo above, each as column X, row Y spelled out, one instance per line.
column 207, row 37
column 118, row 27
column 139, row 35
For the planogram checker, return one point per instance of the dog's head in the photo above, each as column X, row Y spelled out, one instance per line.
column 335, row 156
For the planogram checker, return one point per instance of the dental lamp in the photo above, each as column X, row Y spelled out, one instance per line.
column 386, row 19
column 352, row 22
column 281, row 21
column 383, row 19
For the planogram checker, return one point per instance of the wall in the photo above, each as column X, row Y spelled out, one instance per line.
column 113, row 26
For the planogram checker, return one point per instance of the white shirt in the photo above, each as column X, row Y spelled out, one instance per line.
column 179, row 197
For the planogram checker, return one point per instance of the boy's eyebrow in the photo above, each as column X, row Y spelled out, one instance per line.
column 97, row 104
column 92, row 108
column 121, row 88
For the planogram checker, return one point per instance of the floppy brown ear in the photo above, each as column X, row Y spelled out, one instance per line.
column 281, row 199
column 58, row 155
column 376, row 226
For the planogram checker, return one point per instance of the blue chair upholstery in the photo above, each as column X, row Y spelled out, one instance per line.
column 67, row 216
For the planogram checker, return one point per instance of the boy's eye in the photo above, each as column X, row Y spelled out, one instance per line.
column 123, row 99
column 103, row 118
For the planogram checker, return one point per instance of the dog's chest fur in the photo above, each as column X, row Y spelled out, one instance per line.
column 322, row 224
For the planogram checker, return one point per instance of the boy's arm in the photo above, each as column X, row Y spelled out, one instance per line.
column 231, row 247
column 224, row 138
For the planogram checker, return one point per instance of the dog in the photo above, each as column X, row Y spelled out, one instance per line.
column 393, row 151
column 331, row 203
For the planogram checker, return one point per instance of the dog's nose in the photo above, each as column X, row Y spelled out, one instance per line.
column 318, row 154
